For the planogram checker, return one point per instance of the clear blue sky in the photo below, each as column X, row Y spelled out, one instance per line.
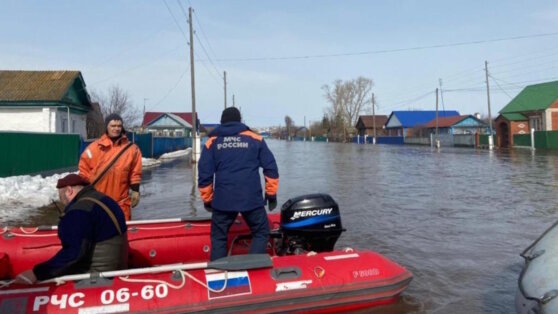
column 278, row 54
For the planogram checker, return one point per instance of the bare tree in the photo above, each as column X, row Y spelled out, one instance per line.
column 347, row 100
column 117, row 101
column 289, row 124
column 95, row 124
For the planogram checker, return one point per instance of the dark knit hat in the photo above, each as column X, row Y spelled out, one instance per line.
column 113, row 116
column 230, row 114
column 71, row 180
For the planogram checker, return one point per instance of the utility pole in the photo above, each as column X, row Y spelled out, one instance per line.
column 442, row 95
column 234, row 105
column 373, row 119
column 305, row 128
column 143, row 116
column 437, row 141
column 144, row 100
column 490, row 139
column 225, row 81
column 195, row 140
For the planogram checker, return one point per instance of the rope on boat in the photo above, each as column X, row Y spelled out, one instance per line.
column 4, row 229
column 206, row 286
column 348, row 250
column 183, row 275
column 33, row 230
column 311, row 253
column 33, row 235
column 170, row 227
column 6, row 283
column 170, row 285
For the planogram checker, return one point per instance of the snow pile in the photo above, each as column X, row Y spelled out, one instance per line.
column 33, row 190
column 176, row 154
column 149, row 162
column 26, row 193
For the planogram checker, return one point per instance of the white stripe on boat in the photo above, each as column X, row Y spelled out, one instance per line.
column 335, row 257
column 115, row 308
column 286, row 286
column 16, row 291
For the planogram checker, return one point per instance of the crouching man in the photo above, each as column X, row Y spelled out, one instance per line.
column 92, row 230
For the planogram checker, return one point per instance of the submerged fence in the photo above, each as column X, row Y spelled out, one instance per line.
column 543, row 139
column 31, row 153
column 25, row 153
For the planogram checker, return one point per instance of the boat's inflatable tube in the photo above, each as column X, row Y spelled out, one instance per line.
column 328, row 282
column 538, row 281
column 152, row 242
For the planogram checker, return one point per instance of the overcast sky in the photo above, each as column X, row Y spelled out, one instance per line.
column 279, row 54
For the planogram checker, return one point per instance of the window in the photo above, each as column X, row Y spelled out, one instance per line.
column 536, row 123
column 73, row 126
column 64, row 125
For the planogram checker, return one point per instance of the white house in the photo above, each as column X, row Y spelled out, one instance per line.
column 175, row 124
column 43, row 101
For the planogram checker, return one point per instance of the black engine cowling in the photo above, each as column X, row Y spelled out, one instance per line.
column 309, row 223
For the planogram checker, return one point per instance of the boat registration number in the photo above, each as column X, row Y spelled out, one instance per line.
column 108, row 296
column 363, row 273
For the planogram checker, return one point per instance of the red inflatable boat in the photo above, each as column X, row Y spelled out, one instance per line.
column 153, row 242
column 302, row 273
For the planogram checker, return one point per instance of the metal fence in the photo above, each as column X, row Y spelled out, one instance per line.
column 33, row 153
column 543, row 140
column 45, row 153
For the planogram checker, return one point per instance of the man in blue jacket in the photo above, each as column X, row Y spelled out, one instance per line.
column 92, row 230
column 229, row 182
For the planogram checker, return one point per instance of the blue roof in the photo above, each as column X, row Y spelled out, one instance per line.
column 210, row 125
column 409, row 119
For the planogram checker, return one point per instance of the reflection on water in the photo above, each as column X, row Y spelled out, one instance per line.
column 457, row 218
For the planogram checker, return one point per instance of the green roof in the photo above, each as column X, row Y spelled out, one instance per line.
column 514, row 116
column 533, row 98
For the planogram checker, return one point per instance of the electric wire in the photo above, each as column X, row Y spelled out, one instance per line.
column 498, row 84
column 176, row 21
column 170, row 90
column 128, row 70
column 384, row 51
column 199, row 40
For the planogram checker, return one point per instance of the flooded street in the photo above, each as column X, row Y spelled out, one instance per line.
column 457, row 218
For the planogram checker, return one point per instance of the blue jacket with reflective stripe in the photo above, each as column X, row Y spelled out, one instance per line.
column 228, row 169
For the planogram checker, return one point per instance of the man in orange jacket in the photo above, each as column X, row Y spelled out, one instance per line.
column 113, row 165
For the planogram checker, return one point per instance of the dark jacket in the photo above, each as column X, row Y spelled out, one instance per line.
column 90, row 239
column 232, row 156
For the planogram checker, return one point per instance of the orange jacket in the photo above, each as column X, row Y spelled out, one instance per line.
column 126, row 171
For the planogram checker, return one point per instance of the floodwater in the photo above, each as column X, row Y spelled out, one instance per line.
column 456, row 217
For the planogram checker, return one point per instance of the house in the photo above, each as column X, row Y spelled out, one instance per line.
column 206, row 128
column 176, row 124
column 44, row 101
column 365, row 125
column 464, row 124
column 535, row 107
column 403, row 123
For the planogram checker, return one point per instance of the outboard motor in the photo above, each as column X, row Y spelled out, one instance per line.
column 309, row 223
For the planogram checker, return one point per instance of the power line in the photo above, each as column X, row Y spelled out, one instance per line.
column 170, row 90
column 176, row 21
column 396, row 104
column 466, row 43
column 199, row 40
column 543, row 54
column 137, row 66
column 498, row 84
column 204, row 35
column 126, row 49
column 217, row 79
